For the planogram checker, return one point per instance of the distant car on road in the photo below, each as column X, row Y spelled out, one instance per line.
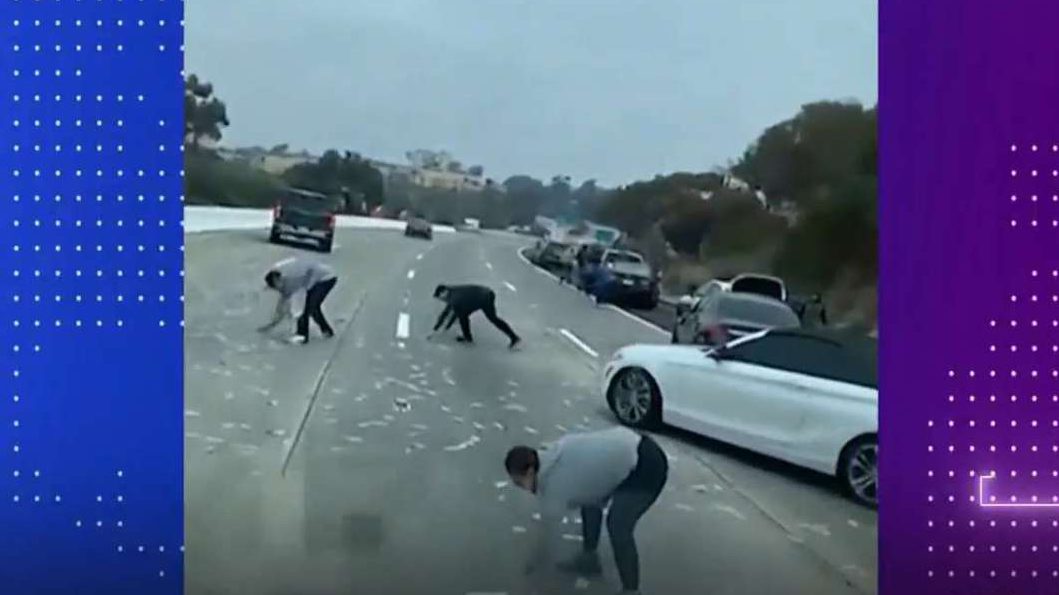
column 419, row 228
column 634, row 280
column 305, row 215
column 806, row 397
column 719, row 315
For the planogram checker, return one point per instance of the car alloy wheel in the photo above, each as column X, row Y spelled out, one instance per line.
column 861, row 472
column 633, row 397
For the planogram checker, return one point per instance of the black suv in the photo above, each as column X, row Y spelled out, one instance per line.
column 305, row 215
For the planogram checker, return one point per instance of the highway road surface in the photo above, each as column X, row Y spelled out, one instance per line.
column 373, row 462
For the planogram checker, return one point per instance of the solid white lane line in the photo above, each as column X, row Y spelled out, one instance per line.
column 533, row 266
column 510, row 286
column 403, row 324
column 578, row 342
column 411, row 274
column 631, row 316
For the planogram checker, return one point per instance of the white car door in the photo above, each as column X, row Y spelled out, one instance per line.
column 745, row 398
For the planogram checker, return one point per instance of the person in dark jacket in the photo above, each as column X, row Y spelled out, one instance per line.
column 463, row 300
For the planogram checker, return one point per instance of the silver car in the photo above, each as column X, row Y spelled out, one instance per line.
column 720, row 316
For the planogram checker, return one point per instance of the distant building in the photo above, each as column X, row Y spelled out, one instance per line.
column 447, row 180
column 432, row 169
column 277, row 164
column 273, row 162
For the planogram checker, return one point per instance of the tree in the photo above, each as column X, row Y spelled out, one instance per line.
column 204, row 114
column 476, row 170
column 336, row 173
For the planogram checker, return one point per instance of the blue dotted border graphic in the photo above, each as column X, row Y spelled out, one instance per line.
column 91, row 257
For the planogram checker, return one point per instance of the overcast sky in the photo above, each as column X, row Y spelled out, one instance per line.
column 616, row 90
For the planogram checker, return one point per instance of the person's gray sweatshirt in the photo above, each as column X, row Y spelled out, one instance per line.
column 299, row 275
column 296, row 275
column 581, row 470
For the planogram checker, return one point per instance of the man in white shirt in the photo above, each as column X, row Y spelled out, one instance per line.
column 585, row 471
column 290, row 276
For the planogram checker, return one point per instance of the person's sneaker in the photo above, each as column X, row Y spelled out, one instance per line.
column 515, row 343
column 298, row 340
column 329, row 334
column 464, row 340
column 582, row 564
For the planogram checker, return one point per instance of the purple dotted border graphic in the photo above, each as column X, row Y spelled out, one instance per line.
column 91, row 258
column 993, row 460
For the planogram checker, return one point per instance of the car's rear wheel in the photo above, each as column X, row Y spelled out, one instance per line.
column 327, row 244
column 634, row 398
column 858, row 470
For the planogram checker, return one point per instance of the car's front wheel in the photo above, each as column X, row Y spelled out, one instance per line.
column 858, row 470
column 634, row 398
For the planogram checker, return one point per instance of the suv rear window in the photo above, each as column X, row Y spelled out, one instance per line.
column 624, row 257
column 312, row 203
column 761, row 312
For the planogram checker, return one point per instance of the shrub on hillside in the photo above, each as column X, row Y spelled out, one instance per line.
column 832, row 239
column 210, row 180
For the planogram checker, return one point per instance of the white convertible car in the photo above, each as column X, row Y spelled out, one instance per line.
column 809, row 398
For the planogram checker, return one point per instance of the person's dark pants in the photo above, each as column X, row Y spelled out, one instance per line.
column 629, row 502
column 314, row 300
column 489, row 309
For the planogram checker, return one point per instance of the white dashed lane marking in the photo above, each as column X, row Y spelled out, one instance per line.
column 412, row 274
column 403, row 324
column 510, row 286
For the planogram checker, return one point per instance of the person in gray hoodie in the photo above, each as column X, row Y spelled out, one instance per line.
column 290, row 276
column 586, row 471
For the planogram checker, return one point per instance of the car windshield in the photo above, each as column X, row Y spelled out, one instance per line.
column 624, row 258
column 765, row 313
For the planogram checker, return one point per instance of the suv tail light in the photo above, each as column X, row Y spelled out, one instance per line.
column 331, row 221
column 276, row 211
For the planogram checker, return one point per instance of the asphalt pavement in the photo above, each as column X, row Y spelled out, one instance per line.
column 373, row 462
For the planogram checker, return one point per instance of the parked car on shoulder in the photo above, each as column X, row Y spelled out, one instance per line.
column 553, row 254
column 634, row 281
column 303, row 214
column 719, row 315
column 807, row 397
column 418, row 227
column 755, row 283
